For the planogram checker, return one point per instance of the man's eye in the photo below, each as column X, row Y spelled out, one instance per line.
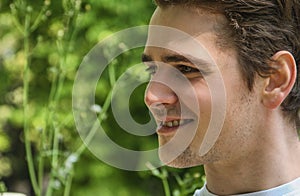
column 187, row 69
column 151, row 69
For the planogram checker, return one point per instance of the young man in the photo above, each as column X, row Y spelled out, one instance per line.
column 255, row 47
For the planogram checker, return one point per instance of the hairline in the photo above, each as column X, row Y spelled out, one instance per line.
column 221, row 29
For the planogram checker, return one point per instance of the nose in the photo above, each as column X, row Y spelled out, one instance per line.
column 158, row 93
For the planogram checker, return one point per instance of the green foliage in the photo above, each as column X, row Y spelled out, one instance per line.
column 2, row 187
column 188, row 183
column 187, row 180
column 42, row 43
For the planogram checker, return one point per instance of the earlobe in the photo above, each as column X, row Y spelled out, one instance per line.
column 281, row 81
column 273, row 99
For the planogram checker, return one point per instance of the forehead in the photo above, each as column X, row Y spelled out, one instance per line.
column 183, row 30
column 191, row 20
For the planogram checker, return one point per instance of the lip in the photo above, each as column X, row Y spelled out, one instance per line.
column 165, row 130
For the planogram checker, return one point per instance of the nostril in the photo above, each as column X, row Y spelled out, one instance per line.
column 159, row 110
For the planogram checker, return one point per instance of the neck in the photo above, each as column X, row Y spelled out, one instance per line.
column 272, row 162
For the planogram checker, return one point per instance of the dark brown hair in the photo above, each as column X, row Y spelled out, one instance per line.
column 258, row 29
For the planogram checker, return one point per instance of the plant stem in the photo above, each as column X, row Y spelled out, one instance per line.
column 93, row 130
column 165, row 183
column 54, row 162
column 39, row 17
column 166, row 187
column 68, row 184
column 55, row 93
column 26, row 115
column 41, row 163
column 47, row 134
column 112, row 75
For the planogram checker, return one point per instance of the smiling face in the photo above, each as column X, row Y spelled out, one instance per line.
column 184, row 111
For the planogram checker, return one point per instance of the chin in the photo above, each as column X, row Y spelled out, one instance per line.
column 184, row 160
column 180, row 165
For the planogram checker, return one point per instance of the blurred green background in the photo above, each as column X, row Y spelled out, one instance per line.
column 42, row 44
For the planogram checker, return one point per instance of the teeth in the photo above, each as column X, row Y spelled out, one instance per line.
column 170, row 124
column 173, row 123
column 181, row 122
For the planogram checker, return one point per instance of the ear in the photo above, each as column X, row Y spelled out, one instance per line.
column 281, row 81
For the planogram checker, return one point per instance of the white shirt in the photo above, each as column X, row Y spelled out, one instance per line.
column 290, row 189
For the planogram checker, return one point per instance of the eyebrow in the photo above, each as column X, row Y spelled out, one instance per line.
column 146, row 58
column 176, row 58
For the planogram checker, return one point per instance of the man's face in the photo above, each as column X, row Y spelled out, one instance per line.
column 191, row 85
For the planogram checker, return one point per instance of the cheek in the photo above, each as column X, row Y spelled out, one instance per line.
column 204, row 113
column 237, row 132
column 203, row 98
